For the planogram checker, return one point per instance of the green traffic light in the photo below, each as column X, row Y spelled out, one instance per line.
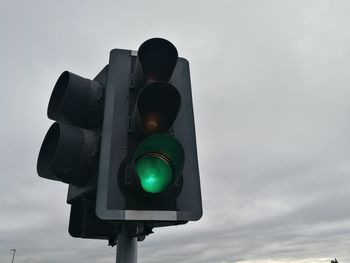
column 154, row 172
column 158, row 162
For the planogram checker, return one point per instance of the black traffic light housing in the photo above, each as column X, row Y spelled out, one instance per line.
column 153, row 82
column 125, row 143
column 70, row 150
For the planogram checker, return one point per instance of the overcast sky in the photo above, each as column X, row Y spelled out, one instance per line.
column 271, row 95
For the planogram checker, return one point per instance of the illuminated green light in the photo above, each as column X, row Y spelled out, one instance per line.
column 154, row 172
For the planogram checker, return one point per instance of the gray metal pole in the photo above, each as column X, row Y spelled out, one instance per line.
column 126, row 247
column 14, row 252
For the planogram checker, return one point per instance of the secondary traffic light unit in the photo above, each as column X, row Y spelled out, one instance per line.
column 125, row 143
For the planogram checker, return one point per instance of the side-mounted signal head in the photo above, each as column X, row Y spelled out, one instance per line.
column 67, row 154
column 158, row 163
column 69, row 150
column 76, row 100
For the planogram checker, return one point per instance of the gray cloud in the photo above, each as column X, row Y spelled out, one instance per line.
column 270, row 87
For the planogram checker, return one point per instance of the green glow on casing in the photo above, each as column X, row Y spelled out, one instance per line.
column 154, row 172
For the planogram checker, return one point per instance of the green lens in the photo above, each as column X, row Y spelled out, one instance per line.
column 154, row 172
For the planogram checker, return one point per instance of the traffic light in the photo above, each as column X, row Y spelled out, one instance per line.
column 70, row 150
column 157, row 162
column 125, row 143
column 149, row 168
